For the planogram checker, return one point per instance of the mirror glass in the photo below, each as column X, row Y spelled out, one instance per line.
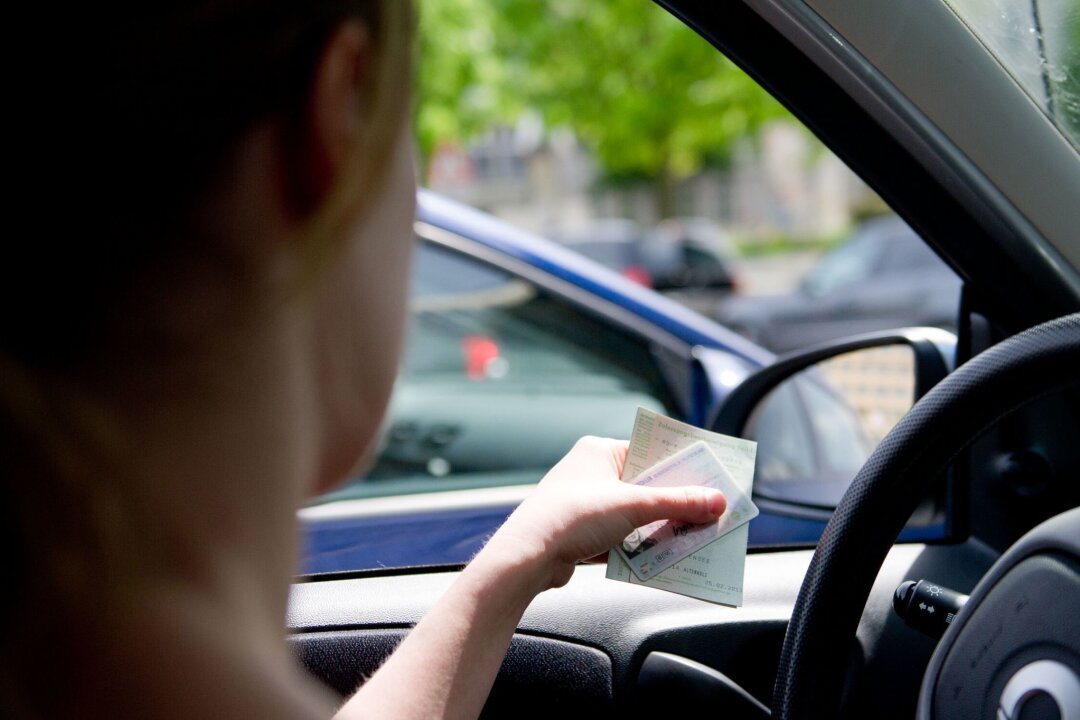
column 816, row 429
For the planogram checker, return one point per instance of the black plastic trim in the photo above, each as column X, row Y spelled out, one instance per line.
column 930, row 368
column 677, row 684
column 1058, row 535
column 536, row 672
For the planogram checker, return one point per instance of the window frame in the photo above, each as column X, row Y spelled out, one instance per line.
column 672, row 356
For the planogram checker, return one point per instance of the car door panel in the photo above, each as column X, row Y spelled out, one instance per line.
column 572, row 677
column 342, row 628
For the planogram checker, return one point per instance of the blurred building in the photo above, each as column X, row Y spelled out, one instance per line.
column 781, row 183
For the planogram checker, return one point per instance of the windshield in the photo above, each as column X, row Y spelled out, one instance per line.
column 1038, row 42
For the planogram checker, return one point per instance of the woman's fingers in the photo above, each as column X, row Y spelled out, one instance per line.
column 581, row 509
column 691, row 503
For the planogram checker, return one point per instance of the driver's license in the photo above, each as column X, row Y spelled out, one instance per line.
column 653, row 548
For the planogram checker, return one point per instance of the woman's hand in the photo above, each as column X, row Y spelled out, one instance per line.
column 578, row 510
column 581, row 509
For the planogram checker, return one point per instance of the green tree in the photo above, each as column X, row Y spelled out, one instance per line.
column 460, row 88
column 648, row 96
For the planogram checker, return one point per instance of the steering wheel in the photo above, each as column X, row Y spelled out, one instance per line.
column 883, row 495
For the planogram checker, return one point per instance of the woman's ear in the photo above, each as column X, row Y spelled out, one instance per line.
column 333, row 126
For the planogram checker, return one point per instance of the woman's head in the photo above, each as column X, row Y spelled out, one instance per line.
column 223, row 269
column 152, row 104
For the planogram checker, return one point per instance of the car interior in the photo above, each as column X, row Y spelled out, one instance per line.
column 915, row 103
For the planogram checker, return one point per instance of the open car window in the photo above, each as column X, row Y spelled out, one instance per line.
column 505, row 368
column 498, row 381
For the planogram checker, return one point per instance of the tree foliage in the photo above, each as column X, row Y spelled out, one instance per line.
column 461, row 89
column 649, row 96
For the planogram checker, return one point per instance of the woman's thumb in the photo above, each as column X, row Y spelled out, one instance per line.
column 692, row 503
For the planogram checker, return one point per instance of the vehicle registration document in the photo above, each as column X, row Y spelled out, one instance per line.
column 712, row 572
column 655, row 547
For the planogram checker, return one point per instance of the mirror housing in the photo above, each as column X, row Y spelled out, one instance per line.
column 934, row 352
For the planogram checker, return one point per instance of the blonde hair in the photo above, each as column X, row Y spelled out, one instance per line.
column 162, row 91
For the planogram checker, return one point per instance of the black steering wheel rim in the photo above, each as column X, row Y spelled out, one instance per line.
column 884, row 493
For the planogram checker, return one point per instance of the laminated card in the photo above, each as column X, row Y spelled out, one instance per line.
column 715, row 571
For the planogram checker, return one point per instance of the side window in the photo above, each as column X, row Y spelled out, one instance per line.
column 697, row 258
column 499, row 380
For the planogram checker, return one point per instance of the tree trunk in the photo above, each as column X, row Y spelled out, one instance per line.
column 664, row 188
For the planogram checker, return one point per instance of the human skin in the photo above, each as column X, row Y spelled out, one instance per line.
column 578, row 510
column 176, row 608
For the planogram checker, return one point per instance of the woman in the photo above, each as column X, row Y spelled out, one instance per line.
column 222, row 346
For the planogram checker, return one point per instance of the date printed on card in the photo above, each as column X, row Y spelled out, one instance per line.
column 655, row 547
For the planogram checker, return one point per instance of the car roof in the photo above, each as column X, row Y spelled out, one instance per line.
column 569, row 266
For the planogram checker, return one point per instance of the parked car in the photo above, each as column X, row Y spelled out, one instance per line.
column 963, row 116
column 518, row 347
column 882, row 276
column 678, row 256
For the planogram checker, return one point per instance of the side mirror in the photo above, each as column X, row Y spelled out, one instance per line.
column 818, row 413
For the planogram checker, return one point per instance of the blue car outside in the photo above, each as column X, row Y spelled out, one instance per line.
column 374, row 522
